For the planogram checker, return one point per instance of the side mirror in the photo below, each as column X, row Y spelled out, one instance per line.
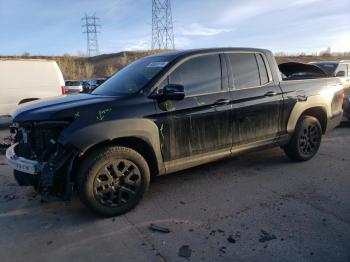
column 170, row 92
column 340, row 74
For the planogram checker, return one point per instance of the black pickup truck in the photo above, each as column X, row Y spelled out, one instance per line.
column 165, row 113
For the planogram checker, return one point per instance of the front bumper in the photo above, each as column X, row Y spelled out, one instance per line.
column 22, row 164
column 49, row 178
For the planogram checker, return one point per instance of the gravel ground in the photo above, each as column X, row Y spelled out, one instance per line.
column 256, row 207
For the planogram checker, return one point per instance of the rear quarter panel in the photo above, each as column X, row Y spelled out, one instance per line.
column 301, row 95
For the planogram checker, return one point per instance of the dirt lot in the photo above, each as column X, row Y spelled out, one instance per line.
column 257, row 207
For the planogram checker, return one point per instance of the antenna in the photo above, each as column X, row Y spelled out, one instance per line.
column 162, row 25
column 90, row 26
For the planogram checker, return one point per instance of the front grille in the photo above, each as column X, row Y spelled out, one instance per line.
column 36, row 141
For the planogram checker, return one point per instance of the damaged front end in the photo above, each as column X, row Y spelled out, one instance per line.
column 39, row 159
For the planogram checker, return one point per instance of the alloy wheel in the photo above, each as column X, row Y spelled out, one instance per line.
column 117, row 183
column 309, row 140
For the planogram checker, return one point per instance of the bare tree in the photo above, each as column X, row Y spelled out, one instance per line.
column 110, row 70
column 89, row 70
column 326, row 52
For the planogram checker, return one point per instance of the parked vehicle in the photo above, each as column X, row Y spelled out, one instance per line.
column 295, row 71
column 165, row 113
column 346, row 107
column 340, row 69
column 90, row 85
column 73, row 87
column 94, row 83
column 25, row 80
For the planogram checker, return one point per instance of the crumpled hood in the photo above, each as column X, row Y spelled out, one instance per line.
column 58, row 107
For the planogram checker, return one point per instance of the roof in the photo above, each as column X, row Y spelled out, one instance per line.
column 208, row 50
column 26, row 59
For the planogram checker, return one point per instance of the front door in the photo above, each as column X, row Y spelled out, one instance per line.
column 200, row 123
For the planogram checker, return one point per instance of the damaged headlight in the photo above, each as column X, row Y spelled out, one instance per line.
column 37, row 140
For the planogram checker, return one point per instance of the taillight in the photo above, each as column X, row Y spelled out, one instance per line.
column 63, row 90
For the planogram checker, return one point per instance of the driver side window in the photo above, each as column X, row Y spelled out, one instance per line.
column 199, row 75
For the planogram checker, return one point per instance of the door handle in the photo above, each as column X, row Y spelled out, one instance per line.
column 271, row 93
column 221, row 102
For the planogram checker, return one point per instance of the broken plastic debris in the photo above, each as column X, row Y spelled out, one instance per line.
column 265, row 236
column 185, row 251
column 231, row 239
column 159, row 229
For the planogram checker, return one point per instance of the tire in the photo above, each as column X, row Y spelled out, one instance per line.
column 113, row 180
column 306, row 139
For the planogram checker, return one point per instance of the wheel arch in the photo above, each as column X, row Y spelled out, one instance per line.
column 320, row 114
column 135, row 143
column 26, row 100
column 314, row 107
column 142, row 135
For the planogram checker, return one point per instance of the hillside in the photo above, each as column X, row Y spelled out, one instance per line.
column 76, row 68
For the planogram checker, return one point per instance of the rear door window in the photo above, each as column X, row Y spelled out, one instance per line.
column 199, row 75
column 244, row 70
column 264, row 77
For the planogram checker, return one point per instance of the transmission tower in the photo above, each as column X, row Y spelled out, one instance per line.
column 90, row 29
column 162, row 25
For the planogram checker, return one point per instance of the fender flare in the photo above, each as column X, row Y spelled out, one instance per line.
column 300, row 107
column 86, row 137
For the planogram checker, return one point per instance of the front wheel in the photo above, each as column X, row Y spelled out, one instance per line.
column 306, row 139
column 113, row 180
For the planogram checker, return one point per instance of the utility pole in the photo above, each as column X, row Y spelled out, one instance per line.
column 90, row 29
column 162, row 25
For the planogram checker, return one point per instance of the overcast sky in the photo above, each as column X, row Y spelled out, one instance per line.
column 53, row 27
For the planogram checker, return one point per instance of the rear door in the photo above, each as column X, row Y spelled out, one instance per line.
column 200, row 123
column 257, row 101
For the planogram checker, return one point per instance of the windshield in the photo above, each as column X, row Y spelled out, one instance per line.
column 134, row 77
column 329, row 68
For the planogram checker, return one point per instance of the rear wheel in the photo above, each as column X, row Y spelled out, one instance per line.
column 306, row 139
column 113, row 180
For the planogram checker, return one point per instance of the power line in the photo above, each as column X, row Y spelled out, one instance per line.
column 90, row 26
column 162, row 25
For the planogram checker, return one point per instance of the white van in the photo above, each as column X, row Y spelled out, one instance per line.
column 24, row 80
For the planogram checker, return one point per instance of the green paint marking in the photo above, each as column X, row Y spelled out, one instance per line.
column 161, row 130
column 169, row 106
column 77, row 115
column 162, row 134
column 199, row 103
column 102, row 113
